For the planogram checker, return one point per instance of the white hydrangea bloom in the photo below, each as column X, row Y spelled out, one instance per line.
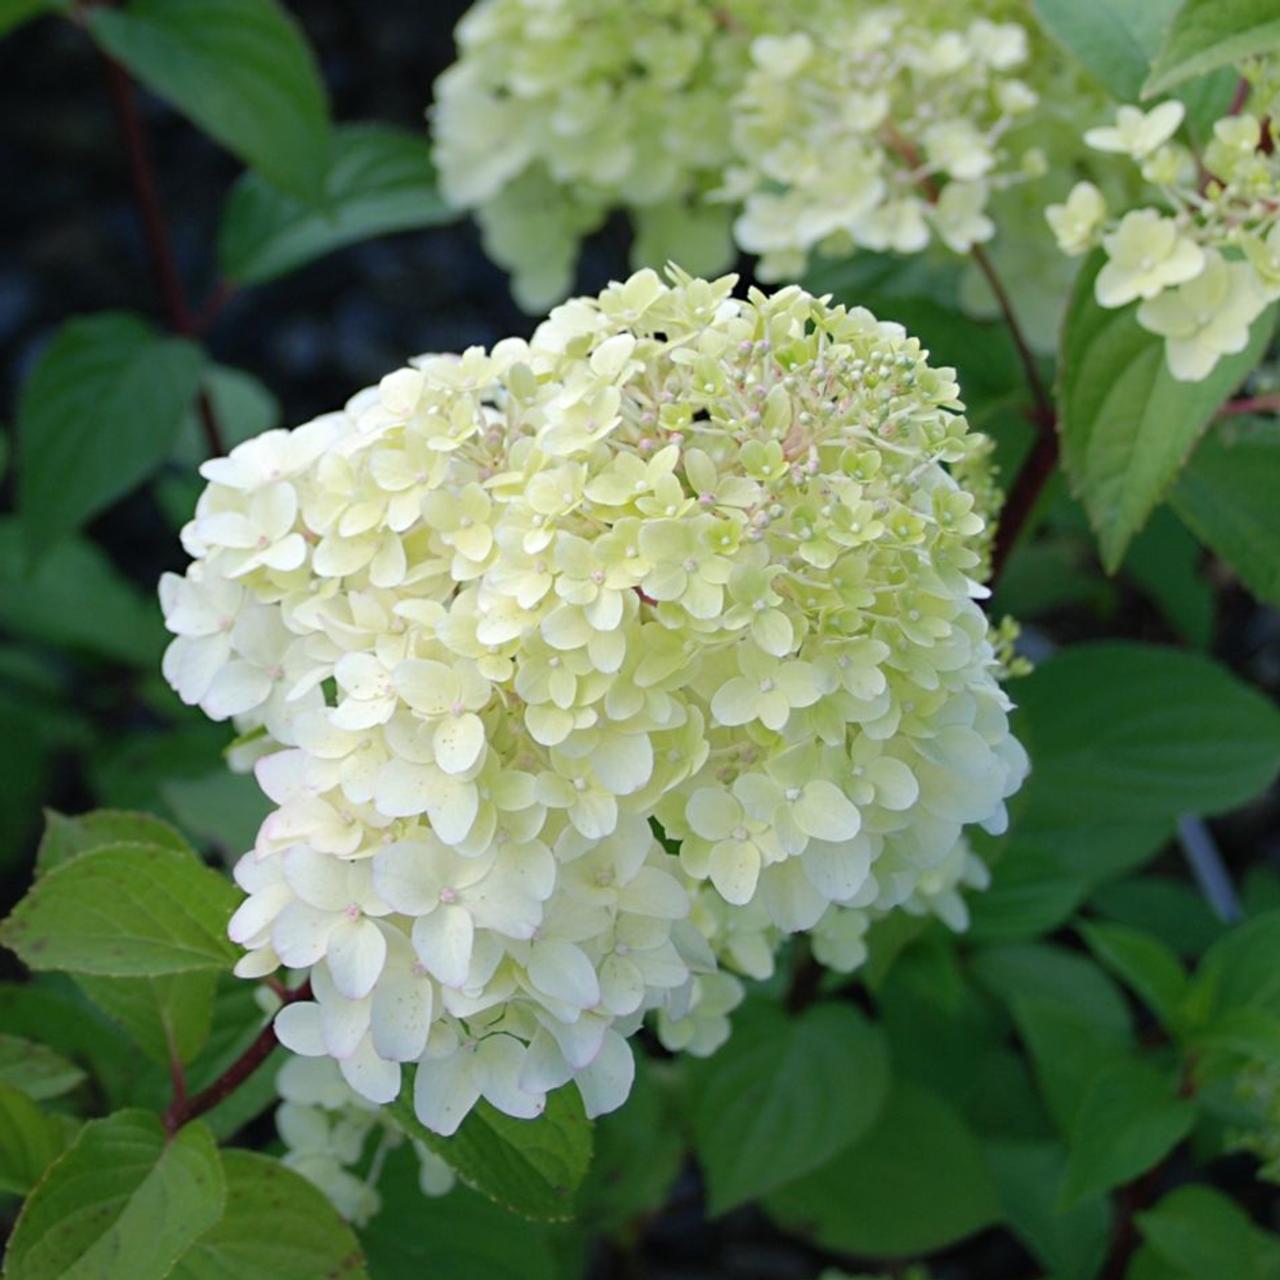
column 681, row 557
column 1076, row 221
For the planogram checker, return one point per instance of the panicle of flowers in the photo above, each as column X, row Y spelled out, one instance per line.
column 880, row 127
column 682, row 559
column 815, row 125
column 558, row 111
column 1203, row 262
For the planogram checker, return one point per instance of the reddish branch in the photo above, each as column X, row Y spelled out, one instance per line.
column 182, row 1109
column 164, row 265
column 1250, row 404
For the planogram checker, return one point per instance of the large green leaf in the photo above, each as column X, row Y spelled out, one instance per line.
column 379, row 180
column 30, row 1140
column 1143, row 963
column 1124, row 732
column 461, row 1234
column 1113, row 39
column 1240, row 971
column 98, row 414
column 126, row 911
column 639, row 1151
column 755, row 1123
column 532, row 1167
column 915, row 1183
column 66, row 838
column 36, row 1069
column 1227, row 496
column 1073, row 1244
column 1129, row 1119
column 1127, row 426
column 276, row 1226
column 1207, row 34
column 76, row 599
column 168, row 1015
column 240, row 69
column 1206, row 1236
column 121, row 1202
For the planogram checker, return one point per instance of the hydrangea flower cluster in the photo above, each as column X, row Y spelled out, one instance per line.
column 1205, row 262
column 883, row 128
column 873, row 128
column 682, row 565
column 558, row 111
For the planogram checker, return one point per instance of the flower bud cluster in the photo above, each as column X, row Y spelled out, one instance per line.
column 818, row 126
column 681, row 564
column 1204, row 262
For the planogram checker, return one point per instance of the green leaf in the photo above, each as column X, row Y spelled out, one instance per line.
column 1206, row 1236
column 1113, row 39
column 36, row 1069
column 13, row 13
column 1127, row 1121
column 1126, row 732
column 98, row 414
column 755, row 1122
column 1073, row 1244
column 461, row 1234
column 222, row 808
column 1240, row 971
column 120, row 1202
column 77, row 600
column 66, row 838
column 276, row 1226
column 639, row 1151
column 1207, row 34
column 239, row 69
column 1143, row 963
column 1226, row 495
column 1070, row 1015
column 168, row 1016
column 380, row 179
column 1126, row 425
column 1031, row 893
column 1173, row 911
column 125, row 910
column 915, row 1183
column 532, row 1167
column 30, row 1140
column 1167, row 563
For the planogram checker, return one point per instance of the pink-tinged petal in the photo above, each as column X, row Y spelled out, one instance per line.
column 445, row 1090
column 443, row 941
column 606, row 1083
column 301, row 933
column 318, row 879
column 299, row 1028
column 370, row 1076
column 356, row 954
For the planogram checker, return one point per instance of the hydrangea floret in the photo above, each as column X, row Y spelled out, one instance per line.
column 586, row 669
column 1204, row 262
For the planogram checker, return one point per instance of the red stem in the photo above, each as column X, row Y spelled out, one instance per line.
column 1022, row 499
column 164, row 265
column 182, row 1110
column 1250, row 404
